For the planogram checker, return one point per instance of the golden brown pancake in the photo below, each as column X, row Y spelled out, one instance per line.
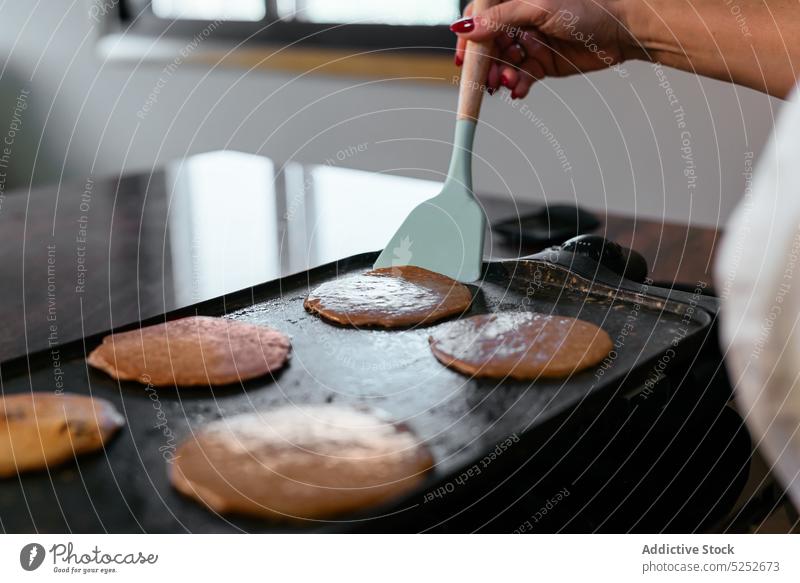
column 193, row 351
column 522, row 345
column 299, row 463
column 40, row 430
column 390, row 297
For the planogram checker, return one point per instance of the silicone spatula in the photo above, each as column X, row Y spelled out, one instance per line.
column 445, row 233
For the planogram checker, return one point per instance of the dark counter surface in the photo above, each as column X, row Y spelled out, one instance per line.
column 81, row 258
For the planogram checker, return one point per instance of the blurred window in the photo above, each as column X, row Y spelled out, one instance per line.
column 361, row 24
column 410, row 12
column 248, row 10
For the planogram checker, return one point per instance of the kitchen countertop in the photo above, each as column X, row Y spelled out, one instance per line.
column 80, row 258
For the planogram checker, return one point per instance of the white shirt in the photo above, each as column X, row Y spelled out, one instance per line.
column 758, row 276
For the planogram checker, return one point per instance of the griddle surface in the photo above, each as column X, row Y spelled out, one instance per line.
column 125, row 488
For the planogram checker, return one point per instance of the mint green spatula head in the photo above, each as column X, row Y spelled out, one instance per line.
column 445, row 233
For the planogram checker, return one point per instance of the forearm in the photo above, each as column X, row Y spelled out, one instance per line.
column 748, row 42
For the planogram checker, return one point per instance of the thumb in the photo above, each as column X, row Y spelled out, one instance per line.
column 505, row 18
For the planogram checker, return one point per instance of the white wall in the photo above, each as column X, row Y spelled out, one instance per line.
column 622, row 147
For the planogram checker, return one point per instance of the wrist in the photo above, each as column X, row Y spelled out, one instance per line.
column 636, row 35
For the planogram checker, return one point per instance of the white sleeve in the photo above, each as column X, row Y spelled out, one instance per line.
column 758, row 277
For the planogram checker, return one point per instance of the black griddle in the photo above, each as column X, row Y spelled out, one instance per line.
column 125, row 488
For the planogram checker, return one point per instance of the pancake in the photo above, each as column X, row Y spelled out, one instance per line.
column 193, row 351
column 390, row 297
column 42, row 430
column 522, row 345
column 299, row 463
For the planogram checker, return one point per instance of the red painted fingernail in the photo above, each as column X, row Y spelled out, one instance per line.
column 463, row 25
column 504, row 81
column 514, row 94
column 459, row 61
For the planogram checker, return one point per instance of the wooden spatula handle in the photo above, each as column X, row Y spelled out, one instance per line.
column 475, row 70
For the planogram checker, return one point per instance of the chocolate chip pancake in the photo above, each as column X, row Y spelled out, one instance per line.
column 41, row 430
column 299, row 463
column 520, row 345
column 391, row 297
column 192, row 351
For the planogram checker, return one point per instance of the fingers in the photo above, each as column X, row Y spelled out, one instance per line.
column 513, row 55
column 532, row 43
column 515, row 70
column 521, row 54
column 509, row 77
column 501, row 19
column 493, row 81
column 461, row 43
column 523, row 86
column 535, row 65
column 504, row 41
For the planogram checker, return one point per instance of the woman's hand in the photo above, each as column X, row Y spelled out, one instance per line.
column 748, row 42
column 540, row 38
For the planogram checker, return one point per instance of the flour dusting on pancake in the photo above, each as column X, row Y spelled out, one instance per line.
column 391, row 297
column 522, row 345
column 192, row 351
column 300, row 463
